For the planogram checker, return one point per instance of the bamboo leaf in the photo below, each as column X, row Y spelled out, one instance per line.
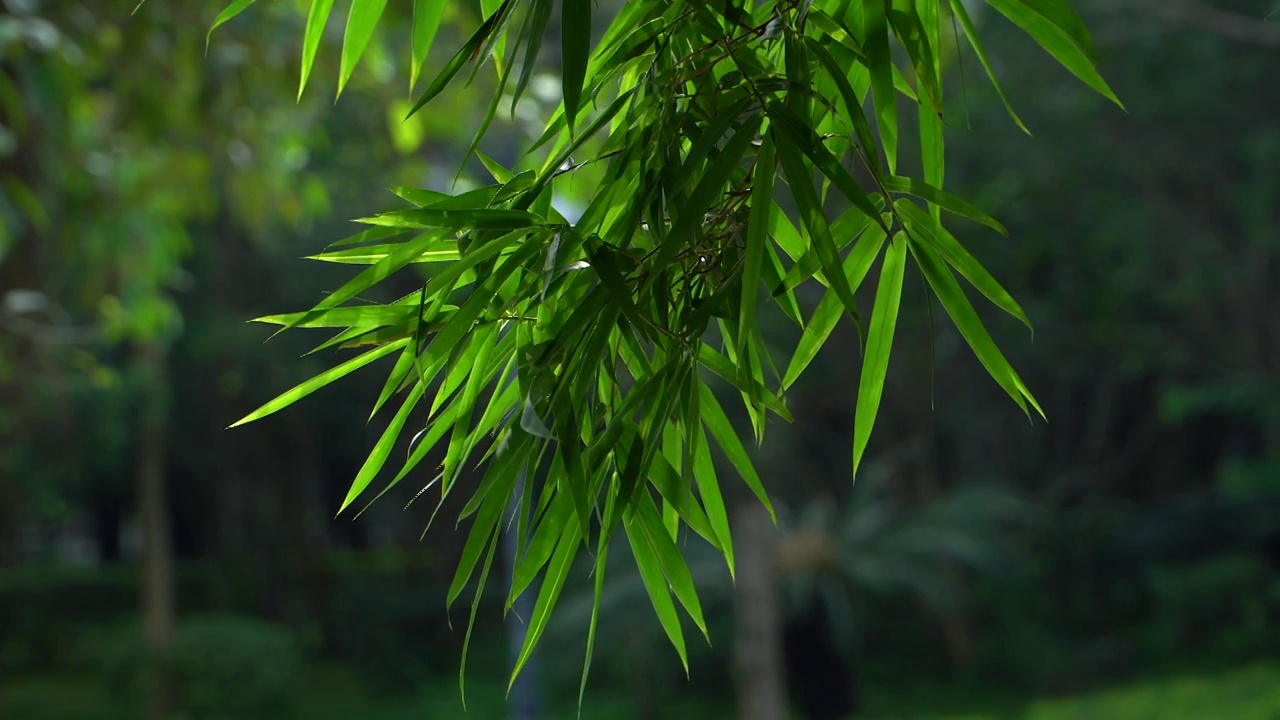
column 959, row 258
column 961, row 14
column 426, row 23
column 717, row 423
column 317, row 18
column 875, row 366
column 659, row 594
column 304, row 389
column 382, row 449
column 1057, row 41
column 552, row 584
column 361, row 22
column 953, row 300
column 575, row 34
column 227, row 13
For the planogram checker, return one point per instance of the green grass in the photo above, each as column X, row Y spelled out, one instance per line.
column 1250, row 692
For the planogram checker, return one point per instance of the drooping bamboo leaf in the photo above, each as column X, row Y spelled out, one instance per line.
column 659, row 594
column 953, row 300
column 426, row 23
column 229, row 12
column 829, row 309
column 648, row 525
column 875, row 365
column 1057, row 41
column 961, row 14
column 758, row 223
column 467, row 52
column 945, row 200
column 880, row 62
column 575, row 35
column 717, row 423
column 552, row 584
column 317, row 18
column 361, row 22
column 801, row 183
column 382, row 449
column 957, row 257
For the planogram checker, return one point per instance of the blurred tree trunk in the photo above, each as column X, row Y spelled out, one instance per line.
column 159, row 616
column 762, row 693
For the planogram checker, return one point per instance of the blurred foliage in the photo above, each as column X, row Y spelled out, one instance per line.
column 1146, row 255
column 223, row 667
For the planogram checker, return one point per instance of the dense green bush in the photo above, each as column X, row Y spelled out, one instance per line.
column 226, row 667
column 81, row 598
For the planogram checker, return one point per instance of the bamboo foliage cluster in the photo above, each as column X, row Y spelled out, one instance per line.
column 581, row 352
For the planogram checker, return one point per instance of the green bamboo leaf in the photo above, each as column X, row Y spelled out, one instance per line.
column 726, row 437
column 708, row 189
column 875, row 365
column 539, row 18
column 426, row 23
column 945, row 200
column 471, row 620
column 704, row 475
column 650, row 527
column 907, row 25
column 575, row 35
column 802, row 136
column 1058, row 42
column 499, row 173
column 541, row 545
column 552, row 584
column 482, row 530
column 602, row 554
column 382, row 449
column 317, row 18
column 398, row 259
column 304, row 389
column 953, row 300
column 395, row 380
column 497, row 46
column 574, row 481
column 758, row 224
column 227, row 13
column 470, row 51
column 367, row 316
column 678, row 502
column 829, row 309
column 447, row 251
column 361, row 22
column 1061, row 14
column 724, row 367
column 932, row 157
column 955, row 254
column 480, row 349
column 430, row 217
column 773, row 276
column 659, row 594
column 880, row 62
column 372, row 234
column 961, row 14
column 853, row 106
column 611, row 279
column 801, row 183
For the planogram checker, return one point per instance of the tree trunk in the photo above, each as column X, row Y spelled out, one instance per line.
column 762, row 693
column 158, row 607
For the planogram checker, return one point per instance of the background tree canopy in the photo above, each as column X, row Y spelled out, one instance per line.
column 158, row 186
